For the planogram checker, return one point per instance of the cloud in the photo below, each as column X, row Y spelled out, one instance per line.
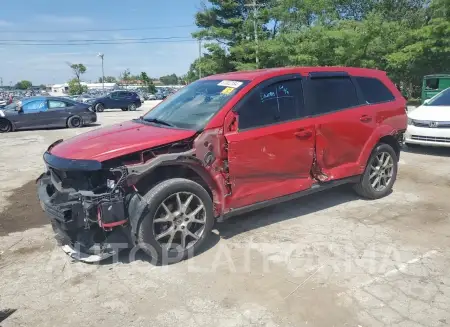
column 4, row 23
column 73, row 20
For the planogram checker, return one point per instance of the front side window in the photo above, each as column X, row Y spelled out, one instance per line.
column 278, row 102
column 374, row 90
column 441, row 99
column 328, row 94
column 194, row 105
column 35, row 106
column 432, row 83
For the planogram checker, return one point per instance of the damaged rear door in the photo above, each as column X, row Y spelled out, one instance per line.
column 343, row 122
column 270, row 153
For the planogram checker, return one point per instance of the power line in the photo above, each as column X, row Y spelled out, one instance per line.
column 98, row 30
column 100, row 40
column 93, row 43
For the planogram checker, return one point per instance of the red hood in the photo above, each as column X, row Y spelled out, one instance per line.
column 117, row 140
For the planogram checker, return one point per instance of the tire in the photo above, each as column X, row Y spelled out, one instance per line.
column 5, row 126
column 124, row 109
column 386, row 176
column 149, row 230
column 75, row 122
column 132, row 107
column 99, row 107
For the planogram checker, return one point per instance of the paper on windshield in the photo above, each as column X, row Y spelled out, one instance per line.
column 232, row 84
column 227, row 90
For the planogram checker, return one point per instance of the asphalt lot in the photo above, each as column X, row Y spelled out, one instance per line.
column 330, row 259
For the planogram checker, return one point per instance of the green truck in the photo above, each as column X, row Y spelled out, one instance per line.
column 433, row 84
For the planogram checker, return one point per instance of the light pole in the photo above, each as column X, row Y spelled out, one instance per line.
column 101, row 55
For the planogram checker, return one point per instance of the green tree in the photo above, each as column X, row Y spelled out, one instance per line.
column 23, row 85
column 78, row 70
column 148, row 82
column 108, row 79
column 75, row 87
column 169, row 79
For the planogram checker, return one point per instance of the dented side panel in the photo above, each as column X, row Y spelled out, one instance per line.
column 269, row 162
column 340, row 138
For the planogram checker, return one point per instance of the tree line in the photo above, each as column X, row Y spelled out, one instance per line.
column 406, row 38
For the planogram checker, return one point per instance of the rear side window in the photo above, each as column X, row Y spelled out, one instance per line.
column 374, row 91
column 53, row 104
column 278, row 102
column 328, row 94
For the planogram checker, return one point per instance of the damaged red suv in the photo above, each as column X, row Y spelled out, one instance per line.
column 222, row 146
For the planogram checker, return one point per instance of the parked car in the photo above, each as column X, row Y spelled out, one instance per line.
column 125, row 100
column 221, row 146
column 42, row 112
column 433, row 84
column 429, row 124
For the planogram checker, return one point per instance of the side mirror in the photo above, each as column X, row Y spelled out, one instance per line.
column 19, row 109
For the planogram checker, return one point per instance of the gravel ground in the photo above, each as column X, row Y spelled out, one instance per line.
column 330, row 259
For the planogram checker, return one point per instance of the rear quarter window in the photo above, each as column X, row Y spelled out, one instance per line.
column 373, row 90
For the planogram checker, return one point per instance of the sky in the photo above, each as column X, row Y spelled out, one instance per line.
column 166, row 26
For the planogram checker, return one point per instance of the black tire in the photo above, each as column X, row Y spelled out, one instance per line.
column 364, row 188
column 132, row 107
column 75, row 122
column 99, row 107
column 124, row 109
column 155, row 197
column 5, row 126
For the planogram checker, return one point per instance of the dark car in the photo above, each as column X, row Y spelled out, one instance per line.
column 222, row 146
column 125, row 100
column 42, row 112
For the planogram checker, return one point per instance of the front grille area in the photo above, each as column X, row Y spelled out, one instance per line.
column 431, row 123
column 431, row 138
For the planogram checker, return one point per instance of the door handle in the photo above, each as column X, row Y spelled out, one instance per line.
column 365, row 119
column 303, row 134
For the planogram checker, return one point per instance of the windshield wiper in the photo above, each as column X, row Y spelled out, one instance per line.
column 157, row 121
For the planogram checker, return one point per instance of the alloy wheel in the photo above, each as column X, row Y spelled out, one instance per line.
column 5, row 126
column 132, row 107
column 179, row 221
column 381, row 171
column 76, row 122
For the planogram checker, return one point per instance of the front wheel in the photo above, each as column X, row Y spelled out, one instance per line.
column 178, row 220
column 5, row 126
column 380, row 173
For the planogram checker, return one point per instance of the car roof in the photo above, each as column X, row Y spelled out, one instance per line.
column 28, row 99
column 273, row 72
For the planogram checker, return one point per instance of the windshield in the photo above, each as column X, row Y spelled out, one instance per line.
column 194, row 105
column 11, row 106
column 441, row 99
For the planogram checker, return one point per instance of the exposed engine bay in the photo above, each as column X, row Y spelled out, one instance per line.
column 95, row 207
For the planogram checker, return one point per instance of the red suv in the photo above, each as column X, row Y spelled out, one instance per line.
column 222, row 146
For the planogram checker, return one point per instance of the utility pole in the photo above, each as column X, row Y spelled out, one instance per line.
column 101, row 55
column 199, row 58
column 255, row 27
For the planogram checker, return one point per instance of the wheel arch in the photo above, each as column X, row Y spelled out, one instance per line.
column 13, row 126
column 383, row 134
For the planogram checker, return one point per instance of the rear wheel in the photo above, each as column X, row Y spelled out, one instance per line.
column 380, row 173
column 132, row 107
column 75, row 122
column 99, row 107
column 178, row 220
column 5, row 126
